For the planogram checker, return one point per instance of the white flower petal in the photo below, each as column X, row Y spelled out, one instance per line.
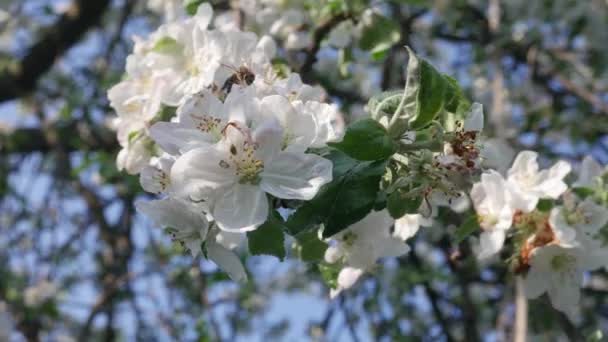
column 296, row 175
column 474, row 121
column 173, row 213
column 175, row 138
column 348, row 276
column 201, row 170
column 333, row 254
column 590, row 169
column 535, row 283
column 407, row 226
column 241, row 208
column 227, row 261
column 490, row 243
column 203, row 16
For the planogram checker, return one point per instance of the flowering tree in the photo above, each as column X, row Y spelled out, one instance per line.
column 309, row 132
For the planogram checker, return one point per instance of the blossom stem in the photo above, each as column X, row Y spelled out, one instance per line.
column 521, row 311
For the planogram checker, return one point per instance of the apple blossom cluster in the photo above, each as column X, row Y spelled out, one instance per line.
column 208, row 125
column 555, row 241
column 240, row 152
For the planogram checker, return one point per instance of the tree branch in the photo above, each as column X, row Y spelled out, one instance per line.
column 317, row 37
column 67, row 136
column 21, row 78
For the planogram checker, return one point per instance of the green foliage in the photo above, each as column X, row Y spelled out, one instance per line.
column 366, row 140
column 428, row 94
column 310, row 248
column 430, row 97
column 345, row 57
column 584, row 192
column 325, row 8
column 347, row 199
column 545, row 205
column 595, row 336
column 166, row 113
column 268, row 239
column 329, row 274
column 385, row 103
column 166, row 45
column 421, row 3
column 468, row 227
column 379, row 35
column 191, row 6
column 399, row 204
column 281, row 67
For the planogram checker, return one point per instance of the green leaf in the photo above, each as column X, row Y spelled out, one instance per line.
column 366, row 140
column 167, row 45
column 384, row 103
column 165, row 113
column 421, row 3
column 595, row 336
column 583, row 192
column 346, row 200
column 467, row 228
column 191, row 6
column 311, row 248
column 544, row 205
column 380, row 33
column 268, row 239
column 398, row 204
column 345, row 57
column 430, row 96
column 281, row 68
column 379, row 51
column 132, row 136
column 329, row 274
column 427, row 94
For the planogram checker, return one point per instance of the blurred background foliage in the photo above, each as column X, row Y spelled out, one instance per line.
column 78, row 264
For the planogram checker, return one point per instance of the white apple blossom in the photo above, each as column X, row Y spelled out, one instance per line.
column 202, row 118
column 185, row 221
column 575, row 226
column 330, row 126
column 528, row 184
column 135, row 155
column 408, row 225
column 291, row 87
column 154, row 178
column 361, row 245
column 38, row 294
column 590, row 169
column 236, row 174
column 182, row 53
column 137, row 103
column 559, row 272
column 491, row 199
column 188, row 224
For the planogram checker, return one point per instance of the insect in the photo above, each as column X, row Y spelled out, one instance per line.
column 242, row 75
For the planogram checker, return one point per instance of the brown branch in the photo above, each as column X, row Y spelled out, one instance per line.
column 66, row 136
column 541, row 75
column 434, row 298
column 21, row 77
column 318, row 35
